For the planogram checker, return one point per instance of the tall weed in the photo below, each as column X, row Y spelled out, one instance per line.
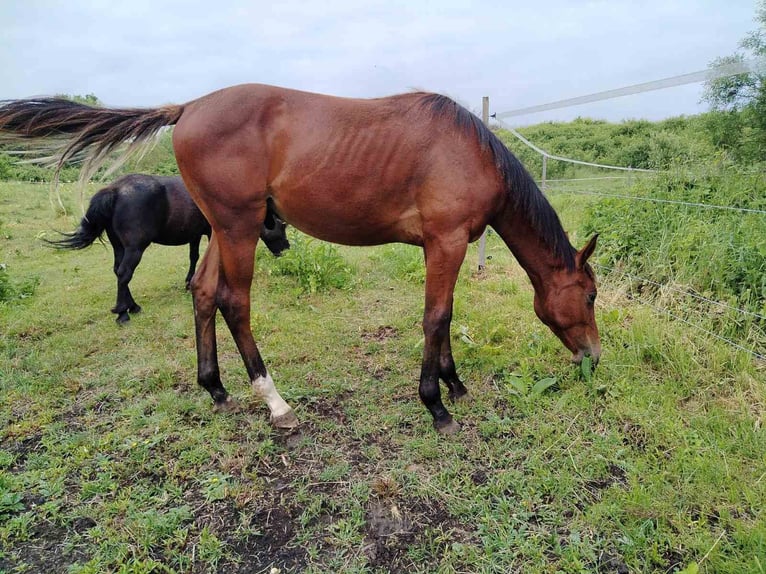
column 316, row 265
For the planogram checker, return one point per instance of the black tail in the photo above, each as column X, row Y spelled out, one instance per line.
column 93, row 225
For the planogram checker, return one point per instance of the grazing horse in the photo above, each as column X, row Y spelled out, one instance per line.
column 137, row 210
column 414, row 168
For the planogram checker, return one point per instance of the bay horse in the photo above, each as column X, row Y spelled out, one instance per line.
column 414, row 168
column 137, row 210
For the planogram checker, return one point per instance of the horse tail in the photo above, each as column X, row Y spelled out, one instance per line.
column 72, row 131
column 93, row 224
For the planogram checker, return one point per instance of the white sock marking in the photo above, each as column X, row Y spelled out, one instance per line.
column 264, row 387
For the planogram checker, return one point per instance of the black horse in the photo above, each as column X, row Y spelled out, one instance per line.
column 137, row 210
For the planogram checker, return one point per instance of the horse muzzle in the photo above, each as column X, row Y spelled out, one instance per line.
column 593, row 351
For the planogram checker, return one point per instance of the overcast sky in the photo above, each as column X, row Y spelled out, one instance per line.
column 519, row 53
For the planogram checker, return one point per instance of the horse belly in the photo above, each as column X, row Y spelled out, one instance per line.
column 350, row 219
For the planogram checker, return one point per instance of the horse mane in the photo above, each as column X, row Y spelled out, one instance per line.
column 520, row 186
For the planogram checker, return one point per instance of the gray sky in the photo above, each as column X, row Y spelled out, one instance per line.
column 519, row 53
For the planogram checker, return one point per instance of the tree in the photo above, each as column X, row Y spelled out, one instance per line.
column 88, row 99
column 737, row 92
column 738, row 120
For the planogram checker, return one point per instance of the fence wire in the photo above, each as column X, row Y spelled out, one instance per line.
column 631, row 276
column 722, row 71
column 697, row 326
column 659, row 200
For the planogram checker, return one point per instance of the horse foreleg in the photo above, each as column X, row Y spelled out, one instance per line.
column 237, row 252
column 204, row 286
column 193, row 258
column 124, row 271
column 443, row 260
column 448, row 372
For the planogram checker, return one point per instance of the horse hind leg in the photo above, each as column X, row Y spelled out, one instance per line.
column 125, row 262
column 119, row 253
column 237, row 253
column 125, row 302
column 223, row 281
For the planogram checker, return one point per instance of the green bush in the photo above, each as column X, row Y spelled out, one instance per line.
column 317, row 266
column 719, row 254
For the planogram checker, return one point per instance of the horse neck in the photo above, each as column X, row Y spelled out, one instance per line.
column 529, row 247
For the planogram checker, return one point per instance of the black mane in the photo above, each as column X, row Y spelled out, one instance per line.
column 523, row 190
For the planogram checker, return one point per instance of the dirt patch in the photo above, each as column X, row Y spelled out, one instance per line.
column 23, row 448
column 266, row 544
column 634, row 435
column 616, row 476
column 609, row 563
column 395, row 525
column 48, row 550
column 382, row 333
column 271, row 548
column 330, row 407
column 673, row 559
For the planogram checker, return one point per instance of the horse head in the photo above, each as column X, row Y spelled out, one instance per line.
column 566, row 305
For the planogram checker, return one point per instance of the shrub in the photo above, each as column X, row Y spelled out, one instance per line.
column 719, row 254
column 318, row 266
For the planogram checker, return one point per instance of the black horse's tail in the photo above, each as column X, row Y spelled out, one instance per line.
column 92, row 225
column 69, row 130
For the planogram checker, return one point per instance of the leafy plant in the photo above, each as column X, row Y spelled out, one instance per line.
column 527, row 388
column 12, row 290
column 10, row 502
column 317, row 265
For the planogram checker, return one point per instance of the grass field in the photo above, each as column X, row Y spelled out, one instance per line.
column 111, row 459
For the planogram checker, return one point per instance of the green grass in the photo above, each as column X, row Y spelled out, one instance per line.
column 111, row 459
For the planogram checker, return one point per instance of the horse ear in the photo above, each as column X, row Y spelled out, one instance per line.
column 587, row 251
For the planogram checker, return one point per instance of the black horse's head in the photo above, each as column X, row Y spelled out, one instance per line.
column 273, row 234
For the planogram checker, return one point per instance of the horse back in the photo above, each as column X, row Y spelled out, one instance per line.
column 184, row 222
column 150, row 209
column 351, row 171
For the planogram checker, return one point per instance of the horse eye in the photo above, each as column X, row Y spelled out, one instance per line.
column 591, row 298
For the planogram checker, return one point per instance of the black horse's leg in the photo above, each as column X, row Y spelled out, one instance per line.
column 443, row 259
column 193, row 258
column 125, row 301
column 119, row 253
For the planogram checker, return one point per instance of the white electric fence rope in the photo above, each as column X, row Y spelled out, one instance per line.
column 700, row 328
column 722, row 71
column 566, row 159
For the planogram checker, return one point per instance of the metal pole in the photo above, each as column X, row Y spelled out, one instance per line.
column 545, row 171
column 483, row 240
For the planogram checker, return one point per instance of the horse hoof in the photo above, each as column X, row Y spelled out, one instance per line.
column 286, row 421
column 227, row 406
column 461, row 396
column 123, row 318
column 447, row 427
